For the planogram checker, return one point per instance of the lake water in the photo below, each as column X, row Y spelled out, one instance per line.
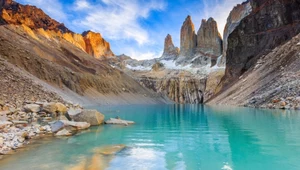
column 177, row 137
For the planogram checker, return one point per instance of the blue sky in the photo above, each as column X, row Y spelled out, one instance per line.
column 135, row 27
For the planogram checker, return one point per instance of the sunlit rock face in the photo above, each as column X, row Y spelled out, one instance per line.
column 96, row 45
column 270, row 24
column 209, row 40
column 35, row 21
column 238, row 13
column 188, row 39
column 170, row 51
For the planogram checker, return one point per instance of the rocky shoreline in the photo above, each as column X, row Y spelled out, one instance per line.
column 38, row 119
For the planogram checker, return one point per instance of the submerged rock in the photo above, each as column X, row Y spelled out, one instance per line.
column 109, row 150
column 92, row 117
column 119, row 122
column 63, row 132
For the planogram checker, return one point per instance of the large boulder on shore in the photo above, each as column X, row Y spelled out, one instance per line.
column 92, row 117
column 73, row 112
column 49, row 107
column 59, row 125
column 77, row 125
column 61, row 108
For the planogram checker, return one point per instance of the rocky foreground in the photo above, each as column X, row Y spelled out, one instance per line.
column 36, row 119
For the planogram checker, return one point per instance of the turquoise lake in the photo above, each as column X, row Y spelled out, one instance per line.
column 177, row 137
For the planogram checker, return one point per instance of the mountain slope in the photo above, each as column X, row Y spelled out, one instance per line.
column 262, row 58
column 273, row 81
column 35, row 19
column 47, row 55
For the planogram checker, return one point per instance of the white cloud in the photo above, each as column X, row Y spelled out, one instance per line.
column 141, row 55
column 219, row 10
column 118, row 19
column 54, row 9
column 81, row 5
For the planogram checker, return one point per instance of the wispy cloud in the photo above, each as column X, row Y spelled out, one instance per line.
column 82, row 5
column 118, row 19
column 143, row 55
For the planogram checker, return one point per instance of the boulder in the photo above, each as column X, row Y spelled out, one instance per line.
column 49, row 107
column 56, row 126
column 60, row 124
column 78, row 125
column 32, row 108
column 62, row 117
column 119, row 122
column 92, row 117
column 63, row 132
column 72, row 112
column 61, row 108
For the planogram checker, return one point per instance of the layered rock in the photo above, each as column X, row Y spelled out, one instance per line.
column 209, row 40
column 188, row 39
column 170, row 51
column 179, row 89
column 238, row 13
column 270, row 24
column 35, row 21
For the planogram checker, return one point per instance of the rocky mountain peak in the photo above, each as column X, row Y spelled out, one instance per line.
column 37, row 22
column 170, row 51
column 209, row 40
column 187, row 37
column 31, row 16
column 96, row 45
column 238, row 13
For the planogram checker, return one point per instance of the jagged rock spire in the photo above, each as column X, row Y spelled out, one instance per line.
column 187, row 37
column 170, row 51
column 209, row 40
